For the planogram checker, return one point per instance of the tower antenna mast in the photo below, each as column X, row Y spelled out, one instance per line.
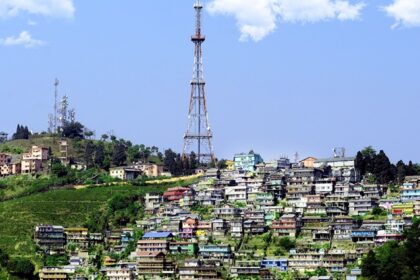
column 198, row 133
column 56, row 83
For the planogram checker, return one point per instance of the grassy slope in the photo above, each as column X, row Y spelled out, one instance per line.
column 44, row 141
column 75, row 147
column 18, row 217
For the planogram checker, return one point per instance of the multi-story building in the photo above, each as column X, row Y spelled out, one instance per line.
column 336, row 205
column 236, row 228
column 302, row 261
column 308, row 162
column 316, row 228
column 403, row 209
column 152, row 202
column 278, row 264
column 153, row 246
column 288, row 225
column 175, row 194
column 187, row 248
column 149, row 169
column 219, row 227
column 54, row 273
column 227, row 212
column 188, row 228
column 410, row 191
column 119, row 273
column 325, row 185
column 30, row 165
column 343, row 168
column 77, row 236
column 155, row 263
column 362, row 205
column 196, row 269
column 265, row 199
column 247, row 162
column 416, row 208
column 213, row 251
column 342, row 227
column 124, row 173
column 50, row 238
column 5, row 159
column 249, row 268
column 40, row 153
column 236, row 193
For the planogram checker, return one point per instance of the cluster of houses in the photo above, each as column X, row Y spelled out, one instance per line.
column 207, row 230
column 27, row 163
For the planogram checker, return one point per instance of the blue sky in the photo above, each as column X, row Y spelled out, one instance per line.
column 281, row 77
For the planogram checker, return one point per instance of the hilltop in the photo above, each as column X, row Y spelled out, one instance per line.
column 20, row 146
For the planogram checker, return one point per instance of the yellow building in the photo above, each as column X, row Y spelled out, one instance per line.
column 308, row 162
column 230, row 165
column 55, row 273
column 200, row 233
column 403, row 209
column 124, row 173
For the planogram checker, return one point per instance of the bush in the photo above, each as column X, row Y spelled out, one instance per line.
column 378, row 211
column 287, row 243
column 23, row 268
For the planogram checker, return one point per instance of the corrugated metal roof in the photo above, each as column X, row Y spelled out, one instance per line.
column 157, row 234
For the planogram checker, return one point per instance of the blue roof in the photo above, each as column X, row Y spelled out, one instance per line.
column 157, row 234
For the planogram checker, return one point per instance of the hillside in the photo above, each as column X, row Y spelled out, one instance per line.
column 69, row 208
column 77, row 148
column 23, row 145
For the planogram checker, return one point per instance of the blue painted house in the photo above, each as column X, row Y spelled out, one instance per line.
column 280, row 264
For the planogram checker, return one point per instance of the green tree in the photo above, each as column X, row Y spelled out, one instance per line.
column 170, row 161
column 360, row 163
column 22, row 268
column 369, row 265
column 73, row 130
column 411, row 169
column 133, row 153
column 395, row 261
column 22, row 132
column 401, row 170
column 119, row 155
column 383, row 170
column 89, row 154
column 369, row 155
column 4, row 258
column 99, row 155
column 221, row 164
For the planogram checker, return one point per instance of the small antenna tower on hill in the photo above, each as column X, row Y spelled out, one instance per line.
column 56, row 83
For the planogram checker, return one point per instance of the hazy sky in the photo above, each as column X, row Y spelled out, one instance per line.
column 282, row 75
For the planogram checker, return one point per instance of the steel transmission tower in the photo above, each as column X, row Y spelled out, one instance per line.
column 198, row 133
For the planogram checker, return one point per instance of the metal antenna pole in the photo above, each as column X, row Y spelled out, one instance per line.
column 56, row 83
column 198, row 124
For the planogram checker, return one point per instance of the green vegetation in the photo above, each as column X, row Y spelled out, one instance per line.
column 394, row 261
column 70, row 208
column 378, row 168
column 280, row 246
column 22, row 132
column 206, row 212
column 15, row 268
column 10, row 149
column 23, row 185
